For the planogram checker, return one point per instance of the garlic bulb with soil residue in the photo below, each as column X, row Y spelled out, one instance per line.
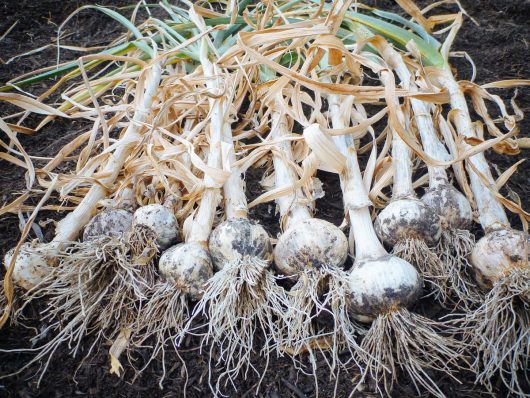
column 242, row 298
column 372, row 294
column 187, row 266
column 310, row 252
column 499, row 329
column 113, row 223
column 310, row 244
column 406, row 223
column 161, row 223
column 408, row 218
column 450, row 205
column 499, row 253
column 31, row 266
column 456, row 241
column 239, row 238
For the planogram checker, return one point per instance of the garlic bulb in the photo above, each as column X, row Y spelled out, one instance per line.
column 498, row 253
column 451, row 206
column 110, row 222
column 31, row 266
column 188, row 266
column 236, row 239
column 378, row 285
column 408, row 218
column 161, row 221
column 310, row 243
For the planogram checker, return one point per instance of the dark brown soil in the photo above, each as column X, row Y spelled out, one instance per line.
column 499, row 47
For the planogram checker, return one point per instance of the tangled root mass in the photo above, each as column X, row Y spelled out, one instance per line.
column 319, row 293
column 428, row 263
column 454, row 248
column 239, row 300
column 161, row 320
column 499, row 332
column 94, row 290
column 407, row 342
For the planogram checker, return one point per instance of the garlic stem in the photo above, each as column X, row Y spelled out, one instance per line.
column 203, row 220
column 290, row 205
column 234, row 188
column 68, row 228
column 492, row 214
column 402, row 167
column 431, row 144
column 355, row 194
column 401, row 153
column 367, row 244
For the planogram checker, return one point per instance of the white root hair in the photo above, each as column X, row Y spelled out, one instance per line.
column 321, row 293
column 400, row 340
column 499, row 332
column 454, row 248
column 93, row 290
column 239, row 300
column 142, row 243
column 161, row 320
column 429, row 264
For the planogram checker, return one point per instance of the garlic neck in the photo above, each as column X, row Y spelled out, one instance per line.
column 234, row 188
column 203, row 220
column 355, row 194
column 430, row 141
column 291, row 205
column 422, row 115
column 492, row 214
column 367, row 244
column 402, row 168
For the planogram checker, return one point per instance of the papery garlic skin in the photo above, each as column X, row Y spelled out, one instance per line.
column 110, row 223
column 310, row 243
column 188, row 266
column 31, row 266
column 161, row 221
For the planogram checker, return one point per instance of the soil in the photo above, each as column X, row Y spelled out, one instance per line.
column 500, row 49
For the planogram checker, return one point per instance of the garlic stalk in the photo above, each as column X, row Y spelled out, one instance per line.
column 242, row 296
column 310, row 251
column 451, row 206
column 186, row 267
column 380, row 287
column 70, row 226
column 500, row 328
column 491, row 213
column 407, row 223
column 189, row 264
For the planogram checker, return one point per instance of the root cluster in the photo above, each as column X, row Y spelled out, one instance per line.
column 404, row 342
column 499, row 332
column 95, row 291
